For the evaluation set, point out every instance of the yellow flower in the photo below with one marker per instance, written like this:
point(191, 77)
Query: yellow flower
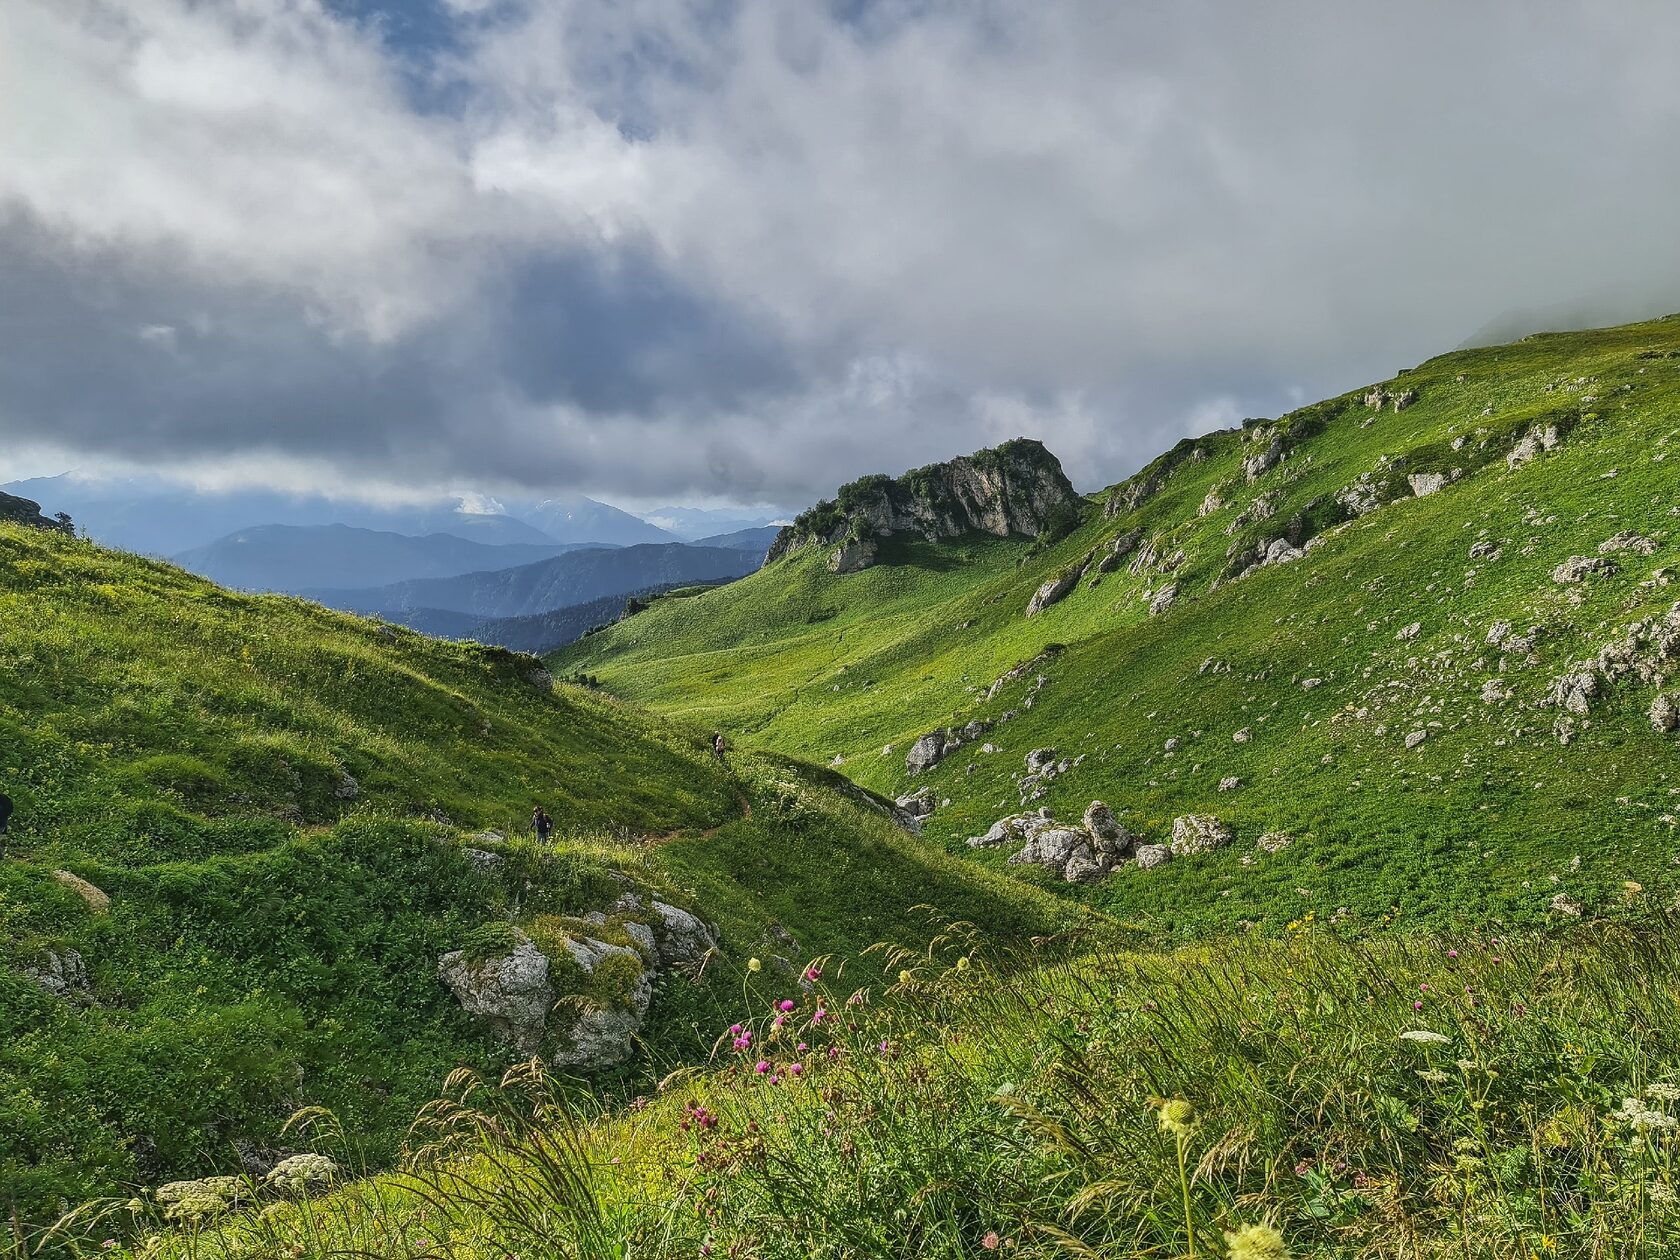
point(904, 977)
point(1255, 1242)
point(754, 965)
point(962, 963)
point(1178, 1116)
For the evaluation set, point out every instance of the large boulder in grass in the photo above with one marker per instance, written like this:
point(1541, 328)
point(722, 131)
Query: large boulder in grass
point(508, 989)
point(683, 939)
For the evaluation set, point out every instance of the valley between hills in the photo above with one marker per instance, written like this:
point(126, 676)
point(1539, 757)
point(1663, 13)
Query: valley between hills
point(1271, 854)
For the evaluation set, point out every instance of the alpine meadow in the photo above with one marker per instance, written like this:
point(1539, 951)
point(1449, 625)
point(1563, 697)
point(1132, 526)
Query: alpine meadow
point(786, 630)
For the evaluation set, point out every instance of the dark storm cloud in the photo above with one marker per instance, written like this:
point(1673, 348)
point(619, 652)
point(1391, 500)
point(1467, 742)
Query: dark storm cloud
point(662, 248)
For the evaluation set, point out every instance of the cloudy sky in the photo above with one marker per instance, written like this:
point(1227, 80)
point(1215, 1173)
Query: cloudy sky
point(744, 249)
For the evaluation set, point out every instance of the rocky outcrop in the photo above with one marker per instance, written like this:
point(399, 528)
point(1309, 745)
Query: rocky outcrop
point(1163, 599)
point(1539, 439)
point(683, 939)
point(1119, 547)
point(1018, 488)
point(852, 555)
point(1264, 460)
point(21, 511)
point(510, 991)
point(1057, 587)
point(62, 974)
point(935, 746)
point(604, 1026)
point(1078, 855)
point(1199, 833)
point(1579, 568)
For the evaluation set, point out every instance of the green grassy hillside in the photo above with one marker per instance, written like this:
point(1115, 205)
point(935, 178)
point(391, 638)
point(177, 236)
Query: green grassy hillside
point(1420, 771)
point(1496, 1097)
point(249, 818)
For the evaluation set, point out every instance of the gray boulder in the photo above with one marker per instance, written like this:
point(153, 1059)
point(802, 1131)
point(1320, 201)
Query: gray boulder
point(602, 1032)
point(683, 939)
point(1424, 484)
point(1579, 568)
point(1573, 691)
point(1055, 589)
point(930, 750)
point(1535, 441)
point(511, 993)
point(1109, 837)
point(918, 804)
point(1163, 599)
point(1199, 833)
point(1149, 856)
point(62, 974)
point(1665, 714)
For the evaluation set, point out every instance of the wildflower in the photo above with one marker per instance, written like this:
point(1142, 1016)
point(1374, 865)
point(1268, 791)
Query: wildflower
point(761, 1067)
point(990, 1241)
point(819, 1016)
point(1178, 1116)
point(754, 965)
point(834, 1052)
point(885, 1047)
point(734, 1030)
point(1452, 953)
point(785, 1005)
point(775, 1079)
point(778, 1021)
point(1435, 1076)
point(1424, 987)
point(1255, 1242)
point(1643, 1119)
point(813, 972)
point(300, 1172)
point(904, 977)
point(1417, 1006)
point(1424, 1035)
point(962, 965)
point(801, 1047)
point(1663, 1091)
point(796, 1069)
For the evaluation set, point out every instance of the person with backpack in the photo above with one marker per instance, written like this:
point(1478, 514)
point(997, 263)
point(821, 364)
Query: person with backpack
point(542, 824)
point(5, 817)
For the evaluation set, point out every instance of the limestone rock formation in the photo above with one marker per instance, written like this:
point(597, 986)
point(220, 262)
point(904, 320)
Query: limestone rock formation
point(511, 992)
point(1017, 488)
point(1199, 833)
point(603, 1030)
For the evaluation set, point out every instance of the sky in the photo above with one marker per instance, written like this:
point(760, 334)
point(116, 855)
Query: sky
point(713, 251)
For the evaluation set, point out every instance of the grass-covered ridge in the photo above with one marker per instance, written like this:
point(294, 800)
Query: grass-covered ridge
point(1422, 761)
point(1488, 1096)
point(278, 802)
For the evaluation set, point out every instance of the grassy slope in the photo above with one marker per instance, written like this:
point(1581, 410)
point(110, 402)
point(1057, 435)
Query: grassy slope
point(972, 1110)
point(272, 941)
point(1481, 819)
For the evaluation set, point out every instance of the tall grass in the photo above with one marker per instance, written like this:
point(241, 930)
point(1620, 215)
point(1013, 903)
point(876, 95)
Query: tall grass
point(1483, 1097)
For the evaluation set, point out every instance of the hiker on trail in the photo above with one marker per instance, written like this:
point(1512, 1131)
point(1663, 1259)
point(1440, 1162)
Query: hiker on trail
point(5, 817)
point(717, 744)
point(542, 824)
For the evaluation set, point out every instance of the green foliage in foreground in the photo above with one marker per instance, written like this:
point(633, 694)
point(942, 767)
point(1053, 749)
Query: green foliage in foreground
point(277, 800)
point(1297, 686)
point(1490, 1097)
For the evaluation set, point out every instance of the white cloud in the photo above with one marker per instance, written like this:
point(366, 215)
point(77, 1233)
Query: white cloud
point(938, 223)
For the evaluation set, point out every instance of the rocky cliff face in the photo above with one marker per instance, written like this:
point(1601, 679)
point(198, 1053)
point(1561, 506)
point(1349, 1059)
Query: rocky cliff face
point(1017, 488)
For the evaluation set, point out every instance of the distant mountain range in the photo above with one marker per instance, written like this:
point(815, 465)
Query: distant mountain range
point(699, 524)
point(564, 581)
point(754, 538)
point(302, 557)
point(539, 633)
point(157, 517)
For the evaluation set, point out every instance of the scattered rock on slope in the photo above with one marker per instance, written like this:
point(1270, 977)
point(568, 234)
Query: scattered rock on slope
point(1579, 568)
point(1199, 833)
